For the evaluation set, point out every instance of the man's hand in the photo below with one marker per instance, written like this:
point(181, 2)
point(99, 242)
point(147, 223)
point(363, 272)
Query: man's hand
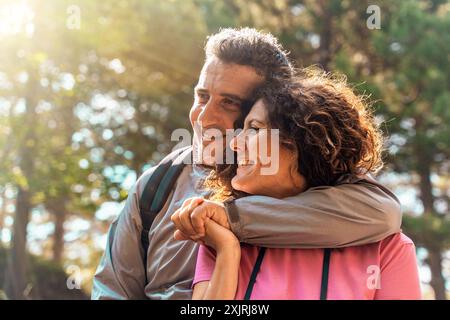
point(190, 219)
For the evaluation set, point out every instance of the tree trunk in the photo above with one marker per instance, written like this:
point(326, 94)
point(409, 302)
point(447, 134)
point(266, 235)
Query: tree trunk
point(434, 261)
point(434, 247)
point(58, 236)
point(437, 279)
point(16, 272)
point(325, 50)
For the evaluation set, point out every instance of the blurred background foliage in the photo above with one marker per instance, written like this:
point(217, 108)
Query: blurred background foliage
point(86, 108)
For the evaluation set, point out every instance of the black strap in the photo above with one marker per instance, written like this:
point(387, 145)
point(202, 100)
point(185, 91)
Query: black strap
point(145, 202)
point(156, 192)
point(153, 183)
point(255, 271)
point(111, 234)
point(167, 183)
point(325, 273)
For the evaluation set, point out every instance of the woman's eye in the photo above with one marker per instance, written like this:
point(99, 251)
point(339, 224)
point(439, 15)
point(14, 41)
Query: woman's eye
point(251, 130)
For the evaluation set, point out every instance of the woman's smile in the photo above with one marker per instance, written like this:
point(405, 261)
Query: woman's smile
point(246, 167)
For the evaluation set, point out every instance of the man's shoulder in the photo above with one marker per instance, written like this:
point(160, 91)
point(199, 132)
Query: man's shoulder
point(147, 174)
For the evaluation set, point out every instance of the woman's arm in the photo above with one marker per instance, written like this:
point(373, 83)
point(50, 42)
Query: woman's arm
point(199, 290)
point(223, 284)
point(224, 279)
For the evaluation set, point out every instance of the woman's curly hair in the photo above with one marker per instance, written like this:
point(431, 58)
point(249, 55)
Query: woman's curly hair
point(320, 117)
point(331, 127)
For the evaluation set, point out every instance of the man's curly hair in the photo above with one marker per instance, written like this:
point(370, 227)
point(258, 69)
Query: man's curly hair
point(321, 118)
point(250, 47)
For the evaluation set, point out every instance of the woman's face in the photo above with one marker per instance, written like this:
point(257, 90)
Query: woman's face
point(255, 174)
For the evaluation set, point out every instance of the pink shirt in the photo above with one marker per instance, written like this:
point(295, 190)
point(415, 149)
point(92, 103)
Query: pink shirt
point(295, 274)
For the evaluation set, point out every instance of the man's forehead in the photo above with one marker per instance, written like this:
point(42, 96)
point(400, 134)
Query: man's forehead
point(216, 74)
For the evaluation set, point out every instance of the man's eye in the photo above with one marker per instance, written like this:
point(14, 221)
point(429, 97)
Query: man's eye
point(202, 97)
point(231, 103)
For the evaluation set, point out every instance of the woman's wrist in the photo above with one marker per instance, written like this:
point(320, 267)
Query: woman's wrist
point(229, 250)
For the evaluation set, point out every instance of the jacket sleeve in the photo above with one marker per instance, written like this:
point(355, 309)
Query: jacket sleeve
point(121, 272)
point(355, 212)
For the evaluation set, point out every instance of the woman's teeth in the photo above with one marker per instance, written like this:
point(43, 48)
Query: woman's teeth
point(245, 163)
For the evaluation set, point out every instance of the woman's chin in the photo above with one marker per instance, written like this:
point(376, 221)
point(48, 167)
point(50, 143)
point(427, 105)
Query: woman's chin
point(241, 184)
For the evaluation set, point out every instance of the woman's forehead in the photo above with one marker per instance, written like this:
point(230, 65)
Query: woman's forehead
point(258, 112)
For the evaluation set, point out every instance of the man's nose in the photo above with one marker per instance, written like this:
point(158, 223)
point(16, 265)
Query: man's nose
point(208, 115)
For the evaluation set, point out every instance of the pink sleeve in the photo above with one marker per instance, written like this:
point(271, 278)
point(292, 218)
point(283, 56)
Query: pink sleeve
point(206, 261)
point(399, 273)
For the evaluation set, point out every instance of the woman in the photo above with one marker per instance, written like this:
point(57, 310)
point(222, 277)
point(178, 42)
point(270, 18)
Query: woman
point(326, 135)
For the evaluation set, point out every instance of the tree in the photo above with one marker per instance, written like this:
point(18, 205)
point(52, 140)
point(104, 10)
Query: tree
point(38, 80)
point(415, 80)
point(53, 72)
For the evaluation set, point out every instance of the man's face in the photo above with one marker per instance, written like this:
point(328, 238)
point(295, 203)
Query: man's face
point(221, 90)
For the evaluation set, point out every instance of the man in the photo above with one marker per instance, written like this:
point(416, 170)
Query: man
point(357, 211)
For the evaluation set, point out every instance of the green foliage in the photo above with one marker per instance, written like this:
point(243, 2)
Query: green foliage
point(48, 280)
point(428, 230)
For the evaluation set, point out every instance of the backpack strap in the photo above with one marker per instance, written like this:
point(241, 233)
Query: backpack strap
point(157, 190)
point(325, 273)
point(255, 271)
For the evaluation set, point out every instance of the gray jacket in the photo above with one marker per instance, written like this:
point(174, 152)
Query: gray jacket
point(357, 211)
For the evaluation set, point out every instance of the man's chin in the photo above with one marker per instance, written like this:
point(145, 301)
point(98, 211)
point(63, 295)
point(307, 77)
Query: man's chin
point(204, 143)
point(211, 153)
point(205, 159)
point(208, 162)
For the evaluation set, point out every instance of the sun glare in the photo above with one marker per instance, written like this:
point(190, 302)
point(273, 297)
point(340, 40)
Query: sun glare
point(16, 17)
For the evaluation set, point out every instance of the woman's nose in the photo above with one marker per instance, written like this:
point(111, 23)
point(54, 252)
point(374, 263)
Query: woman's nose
point(233, 144)
point(236, 142)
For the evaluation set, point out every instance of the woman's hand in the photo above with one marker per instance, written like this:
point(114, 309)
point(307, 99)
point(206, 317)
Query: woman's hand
point(219, 238)
point(206, 222)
